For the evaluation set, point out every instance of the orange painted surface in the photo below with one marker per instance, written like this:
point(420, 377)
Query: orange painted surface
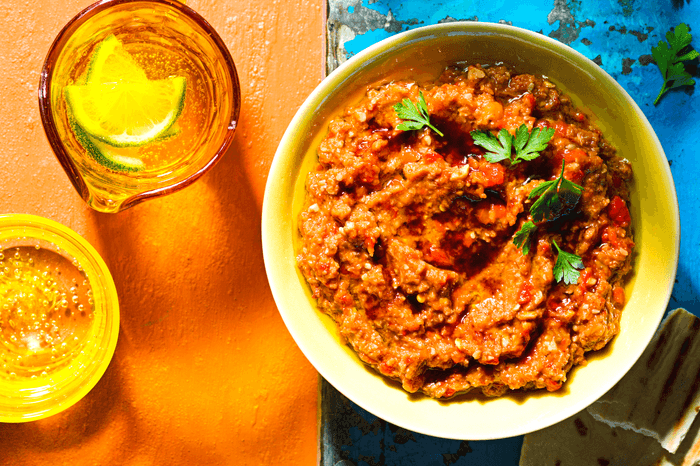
point(205, 373)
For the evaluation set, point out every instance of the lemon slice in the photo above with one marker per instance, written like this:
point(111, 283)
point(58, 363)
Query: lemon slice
point(119, 105)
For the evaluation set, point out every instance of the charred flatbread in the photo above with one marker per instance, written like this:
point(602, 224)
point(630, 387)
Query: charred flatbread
point(648, 419)
point(660, 396)
point(583, 441)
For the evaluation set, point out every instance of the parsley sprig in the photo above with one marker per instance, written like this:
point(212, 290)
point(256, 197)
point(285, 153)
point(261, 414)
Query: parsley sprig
point(527, 145)
point(523, 238)
point(567, 266)
point(669, 61)
point(555, 199)
point(414, 116)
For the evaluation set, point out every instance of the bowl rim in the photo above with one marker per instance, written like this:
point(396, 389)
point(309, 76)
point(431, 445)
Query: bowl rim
point(316, 98)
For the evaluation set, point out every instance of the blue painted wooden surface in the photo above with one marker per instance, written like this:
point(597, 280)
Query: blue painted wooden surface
point(616, 34)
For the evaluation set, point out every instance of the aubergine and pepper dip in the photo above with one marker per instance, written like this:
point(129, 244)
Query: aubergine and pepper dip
point(471, 232)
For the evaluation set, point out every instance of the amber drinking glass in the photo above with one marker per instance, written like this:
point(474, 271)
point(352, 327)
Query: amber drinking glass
point(154, 47)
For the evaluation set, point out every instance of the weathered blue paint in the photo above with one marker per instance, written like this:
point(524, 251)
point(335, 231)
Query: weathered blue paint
point(350, 436)
point(616, 34)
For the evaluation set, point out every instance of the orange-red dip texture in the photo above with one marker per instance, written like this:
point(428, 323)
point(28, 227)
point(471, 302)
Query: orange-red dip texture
point(407, 237)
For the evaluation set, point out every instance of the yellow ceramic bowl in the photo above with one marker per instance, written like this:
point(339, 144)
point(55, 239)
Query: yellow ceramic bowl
point(423, 53)
point(51, 354)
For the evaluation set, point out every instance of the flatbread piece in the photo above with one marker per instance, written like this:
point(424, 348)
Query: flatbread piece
point(660, 396)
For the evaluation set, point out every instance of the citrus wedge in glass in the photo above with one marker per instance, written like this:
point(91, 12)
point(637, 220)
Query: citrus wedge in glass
point(119, 105)
point(110, 62)
point(119, 159)
point(114, 158)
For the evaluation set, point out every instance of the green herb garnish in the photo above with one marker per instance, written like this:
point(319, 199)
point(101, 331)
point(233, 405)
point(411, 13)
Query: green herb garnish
point(522, 238)
point(669, 61)
point(567, 266)
point(527, 145)
point(414, 116)
point(556, 197)
point(499, 148)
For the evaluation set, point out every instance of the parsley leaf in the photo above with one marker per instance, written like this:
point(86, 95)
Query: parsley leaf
point(567, 266)
point(415, 117)
point(536, 143)
point(523, 237)
point(556, 197)
point(527, 145)
point(669, 61)
point(499, 149)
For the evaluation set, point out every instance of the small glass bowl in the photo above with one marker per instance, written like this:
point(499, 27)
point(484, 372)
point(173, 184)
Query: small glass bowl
point(59, 317)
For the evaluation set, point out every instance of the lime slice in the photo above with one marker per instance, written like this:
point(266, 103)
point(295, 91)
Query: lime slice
point(127, 113)
point(118, 159)
point(119, 105)
point(110, 157)
point(110, 61)
point(173, 131)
